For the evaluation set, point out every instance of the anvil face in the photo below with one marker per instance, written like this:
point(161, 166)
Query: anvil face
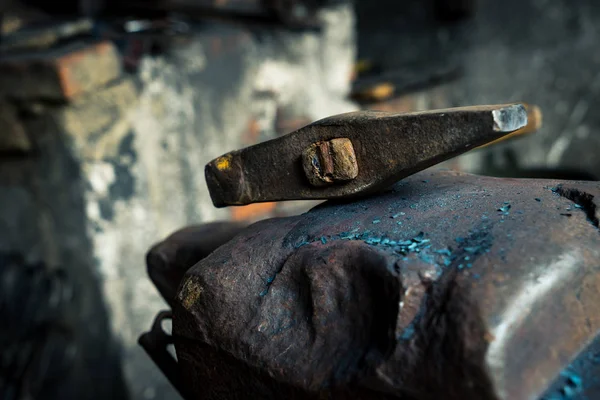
point(444, 286)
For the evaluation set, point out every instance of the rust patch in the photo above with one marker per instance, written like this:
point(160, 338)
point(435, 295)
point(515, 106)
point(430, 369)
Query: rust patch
point(330, 161)
point(190, 293)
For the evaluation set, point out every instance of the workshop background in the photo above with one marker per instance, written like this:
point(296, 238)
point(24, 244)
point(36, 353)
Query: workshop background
point(109, 111)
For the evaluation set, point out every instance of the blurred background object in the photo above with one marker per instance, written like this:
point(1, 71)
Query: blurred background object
point(109, 111)
point(107, 123)
point(55, 344)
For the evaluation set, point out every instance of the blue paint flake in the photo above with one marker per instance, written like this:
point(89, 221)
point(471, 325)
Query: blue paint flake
point(477, 242)
point(445, 252)
point(374, 240)
point(572, 379)
point(302, 243)
point(402, 247)
point(408, 332)
point(580, 379)
point(376, 221)
point(595, 358)
point(572, 386)
point(428, 258)
point(505, 208)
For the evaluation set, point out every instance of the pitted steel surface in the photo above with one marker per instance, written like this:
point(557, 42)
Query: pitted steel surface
point(444, 286)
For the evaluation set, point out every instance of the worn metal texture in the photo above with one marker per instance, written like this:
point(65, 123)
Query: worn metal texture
point(156, 343)
point(328, 162)
point(387, 147)
point(168, 260)
point(580, 380)
point(444, 286)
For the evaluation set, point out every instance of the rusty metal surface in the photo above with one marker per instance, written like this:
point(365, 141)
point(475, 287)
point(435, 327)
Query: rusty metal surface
point(331, 161)
point(155, 342)
point(168, 260)
point(445, 286)
point(387, 147)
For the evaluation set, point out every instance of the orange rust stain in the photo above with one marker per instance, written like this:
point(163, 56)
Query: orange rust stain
point(252, 211)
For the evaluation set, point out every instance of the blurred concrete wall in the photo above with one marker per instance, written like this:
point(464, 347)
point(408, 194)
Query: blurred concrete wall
point(99, 164)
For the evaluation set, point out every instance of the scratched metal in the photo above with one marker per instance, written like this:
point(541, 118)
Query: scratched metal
point(388, 147)
point(445, 286)
point(168, 260)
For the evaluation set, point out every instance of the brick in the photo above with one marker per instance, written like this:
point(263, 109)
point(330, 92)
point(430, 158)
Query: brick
point(59, 74)
point(44, 36)
point(93, 125)
point(12, 133)
point(96, 123)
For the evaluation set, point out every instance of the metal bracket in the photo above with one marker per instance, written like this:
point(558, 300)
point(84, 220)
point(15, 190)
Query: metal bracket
point(155, 343)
